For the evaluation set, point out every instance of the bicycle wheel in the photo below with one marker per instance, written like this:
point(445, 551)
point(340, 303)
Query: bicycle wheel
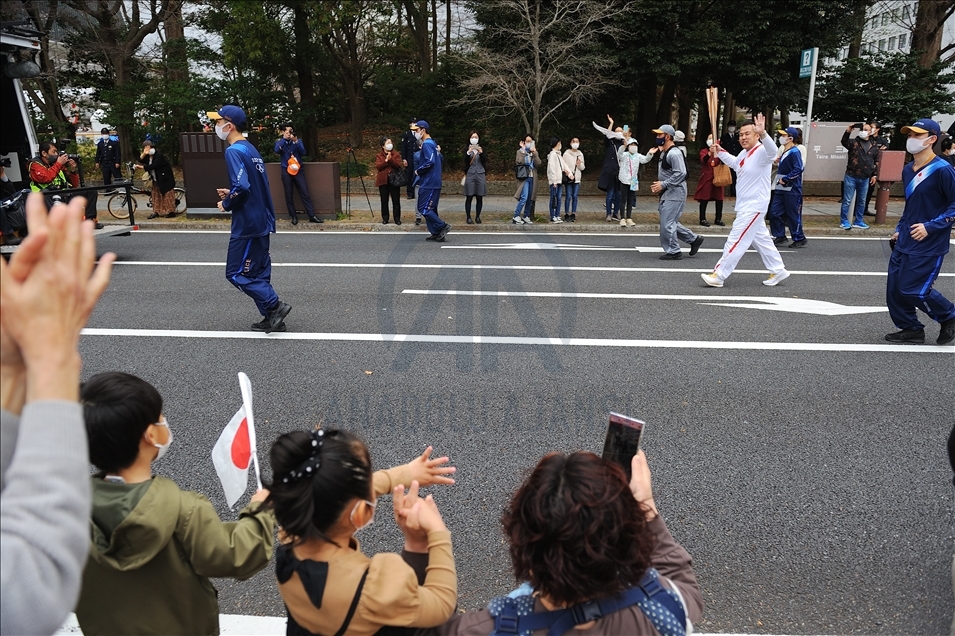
point(117, 205)
point(180, 200)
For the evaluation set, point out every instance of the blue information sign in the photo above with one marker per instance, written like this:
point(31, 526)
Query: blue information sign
point(805, 63)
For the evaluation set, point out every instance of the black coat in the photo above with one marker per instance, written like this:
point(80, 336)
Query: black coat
point(610, 168)
point(161, 172)
point(409, 146)
point(730, 143)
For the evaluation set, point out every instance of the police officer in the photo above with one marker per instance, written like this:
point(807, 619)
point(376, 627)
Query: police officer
point(108, 157)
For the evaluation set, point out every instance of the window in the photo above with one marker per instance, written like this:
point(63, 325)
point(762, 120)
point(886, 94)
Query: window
point(875, 21)
point(892, 43)
point(895, 15)
point(903, 40)
point(882, 44)
point(906, 15)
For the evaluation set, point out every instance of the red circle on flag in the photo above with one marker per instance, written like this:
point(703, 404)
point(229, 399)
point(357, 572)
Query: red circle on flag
point(241, 449)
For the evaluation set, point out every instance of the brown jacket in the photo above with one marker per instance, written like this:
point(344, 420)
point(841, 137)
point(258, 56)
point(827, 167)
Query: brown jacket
point(385, 165)
point(393, 592)
point(669, 558)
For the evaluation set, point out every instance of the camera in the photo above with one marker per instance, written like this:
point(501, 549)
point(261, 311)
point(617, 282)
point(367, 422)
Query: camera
point(69, 156)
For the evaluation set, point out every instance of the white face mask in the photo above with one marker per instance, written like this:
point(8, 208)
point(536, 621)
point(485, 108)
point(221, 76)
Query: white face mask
point(783, 141)
point(575, 145)
point(417, 135)
point(864, 135)
point(915, 145)
point(632, 150)
point(731, 129)
point(152, 151)
point(351, 517)
point(474, 141)
point(220, 133)
point(709, 142)
point(164, 448)
point(389, 147)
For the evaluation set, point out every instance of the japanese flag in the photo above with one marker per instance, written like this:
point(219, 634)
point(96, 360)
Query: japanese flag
point(235, 449)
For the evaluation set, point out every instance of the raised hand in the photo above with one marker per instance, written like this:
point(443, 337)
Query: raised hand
point(427, 471)
point(759, 123)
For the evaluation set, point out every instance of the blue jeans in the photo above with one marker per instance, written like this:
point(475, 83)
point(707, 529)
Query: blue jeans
point(525, 193)
point(857, 186)
point(613, 198)
point(571, 191)
point(555, 200)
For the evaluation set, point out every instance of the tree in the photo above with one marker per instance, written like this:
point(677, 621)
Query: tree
point(906, 90)
point(930, 19)
point(542, 56)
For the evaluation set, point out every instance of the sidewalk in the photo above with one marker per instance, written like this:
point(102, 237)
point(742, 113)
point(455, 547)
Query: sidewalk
point(820, 217)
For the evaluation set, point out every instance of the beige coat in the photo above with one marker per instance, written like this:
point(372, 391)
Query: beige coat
point(535, 164)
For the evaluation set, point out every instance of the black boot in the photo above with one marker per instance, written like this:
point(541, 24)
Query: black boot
point(469, 221)
point(703, 222)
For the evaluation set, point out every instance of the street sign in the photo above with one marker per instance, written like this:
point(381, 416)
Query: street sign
point(805, 62)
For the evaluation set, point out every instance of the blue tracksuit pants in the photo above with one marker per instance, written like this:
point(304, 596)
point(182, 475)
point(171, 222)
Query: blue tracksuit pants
point(428, 208)
point(785, 210)
point(910, 287)
point(249, 267)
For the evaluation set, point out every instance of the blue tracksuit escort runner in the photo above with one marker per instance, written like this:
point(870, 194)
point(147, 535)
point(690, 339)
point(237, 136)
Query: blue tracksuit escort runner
point(915, 265)
point(428, 180)
point(785, 210)
point(249, 264)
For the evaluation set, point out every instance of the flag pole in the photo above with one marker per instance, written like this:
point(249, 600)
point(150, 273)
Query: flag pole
point(245, 385)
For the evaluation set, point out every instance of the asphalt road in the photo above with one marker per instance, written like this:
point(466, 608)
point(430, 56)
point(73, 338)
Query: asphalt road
point(808, 478)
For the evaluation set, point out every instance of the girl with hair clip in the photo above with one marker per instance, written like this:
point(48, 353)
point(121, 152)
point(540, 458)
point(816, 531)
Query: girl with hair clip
point(323, 492)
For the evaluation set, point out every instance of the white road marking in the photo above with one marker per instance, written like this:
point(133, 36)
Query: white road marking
point(665, 270)
point(563, 247)
point(520, 340)
point(792, 305)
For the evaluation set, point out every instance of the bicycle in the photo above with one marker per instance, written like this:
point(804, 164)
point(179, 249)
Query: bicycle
point(117, 203)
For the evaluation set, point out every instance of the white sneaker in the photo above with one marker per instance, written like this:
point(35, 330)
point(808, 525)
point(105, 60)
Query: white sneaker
point(553, 220)
point(517, 220)
point(558, 219)
point(630, 222)
point(712, 280)
point(623, 223)
point(775, 279)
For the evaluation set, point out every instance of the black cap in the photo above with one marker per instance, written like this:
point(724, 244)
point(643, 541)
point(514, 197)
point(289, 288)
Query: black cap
point(105, 131)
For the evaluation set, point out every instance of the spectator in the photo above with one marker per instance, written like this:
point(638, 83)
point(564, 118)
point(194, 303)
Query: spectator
point(475, 177)
point(875, 133)
point(730, 143)
point(785, 208)
point(12, 219)
point(149, 539)
point(671, 186)
point(388, 160)
point(47, 295)
point(526, 188)
point(679, 140)
point(575, 158)
point(428, 179)
point(556, 170)
point(108, 156)
point(574, 520)
point(53, 172)
point(323, 492)
point(861, 168)
point(705, 190)
point(164, 181)
point(286, 147)
point(948, 152)
point(409, 149)
point(609, 171)
point(630, 161)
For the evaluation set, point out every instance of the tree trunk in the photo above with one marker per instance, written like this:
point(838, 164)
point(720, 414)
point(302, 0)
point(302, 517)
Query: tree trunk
point(927, 34)
point(447, 27)
point(665, 109)
point(646, 111)
point(417, 13)
point(434, 35)
point(177, 61)
point(855, 44)
point(306, 82)
point(784, 117)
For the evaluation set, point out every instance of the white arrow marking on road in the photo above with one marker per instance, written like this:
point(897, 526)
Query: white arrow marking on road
point(792, 305)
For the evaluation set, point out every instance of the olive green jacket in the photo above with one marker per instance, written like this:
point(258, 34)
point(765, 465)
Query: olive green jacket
point(153, 548)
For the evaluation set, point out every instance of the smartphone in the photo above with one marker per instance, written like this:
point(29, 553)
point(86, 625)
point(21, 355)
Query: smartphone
point(626, 128)
point(623, 440)
point(858, 126)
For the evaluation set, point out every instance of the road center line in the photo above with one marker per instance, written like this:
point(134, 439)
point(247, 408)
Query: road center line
point(519, 340)
point(664, 270)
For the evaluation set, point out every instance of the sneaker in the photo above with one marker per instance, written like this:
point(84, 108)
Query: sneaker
point(528, 220)
point(845, 225)
point(609, 218)
point(560, 220)
point(443, 232)
point(623, 223)
point(712, 280)
point(861, 225)
point(615, 218)
point(675, 256)
point(418, 220)
point(554, 219)
point(779, 240)
point(261, 325)
point(801, 243)
point(517, 220)
point(720, 223)
point(947, 333)
point(695, 245)
point(432, 237)
point(630, 223)
point(915, 336)
point(775, 279)
point(276, 316)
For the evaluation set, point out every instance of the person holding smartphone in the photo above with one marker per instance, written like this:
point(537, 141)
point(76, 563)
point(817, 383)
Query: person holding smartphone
point(286, 147)
point(862, 165)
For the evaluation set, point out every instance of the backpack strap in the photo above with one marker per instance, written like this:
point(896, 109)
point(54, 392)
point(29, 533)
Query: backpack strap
point(354, 605)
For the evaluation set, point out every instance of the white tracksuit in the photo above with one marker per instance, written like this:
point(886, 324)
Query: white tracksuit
point(753, 187)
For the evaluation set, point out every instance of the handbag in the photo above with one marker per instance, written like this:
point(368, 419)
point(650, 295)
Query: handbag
point(522, 171)
point(722, 176)
point(397, 178)
point(564, 179)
